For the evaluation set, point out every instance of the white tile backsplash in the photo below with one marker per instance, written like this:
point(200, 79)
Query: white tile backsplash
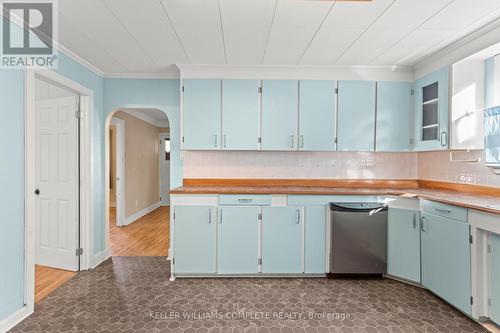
point(302, 165)
point(339, 165)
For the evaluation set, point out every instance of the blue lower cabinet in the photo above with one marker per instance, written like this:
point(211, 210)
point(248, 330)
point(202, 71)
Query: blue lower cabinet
point(446, 259)
point(315, 240)
point(495, 278)
point(403, 244)
point(238, 240)
point(281, 240)
point(194, 239)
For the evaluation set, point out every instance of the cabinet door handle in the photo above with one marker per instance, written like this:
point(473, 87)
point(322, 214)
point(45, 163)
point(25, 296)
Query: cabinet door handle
point(444, 138)
point(220, 212)
point(225, 140)
point(422, 226)
point(210, 216)
point(298, 216)
point(215, 140)
point(244, 200)
point(301, 141)
point(292, 141)
point(446, 211)
point(414, 220)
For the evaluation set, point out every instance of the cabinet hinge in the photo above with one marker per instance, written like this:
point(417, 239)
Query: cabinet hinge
point(471, 240)
point(259, 261)
point(489, 302)
point(471, 300)
point(412, 92)
point(174, 215)
point(79, 252)
point(411, 141)
point(260, 216)
point(182, 139)
point(173, 261)
point(259, 139)
point(336, 90)
point(182, 88)
point(489, 248)
point(260, 90)
point(336, 140)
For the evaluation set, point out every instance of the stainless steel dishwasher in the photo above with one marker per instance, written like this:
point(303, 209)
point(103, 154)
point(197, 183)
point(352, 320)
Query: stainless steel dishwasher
point(358, 242)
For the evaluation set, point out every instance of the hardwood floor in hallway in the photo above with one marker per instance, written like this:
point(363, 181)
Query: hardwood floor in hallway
point(148, 236)
point(48, 279)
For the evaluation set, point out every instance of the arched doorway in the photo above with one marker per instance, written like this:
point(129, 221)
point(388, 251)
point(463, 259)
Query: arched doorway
point(137, 181)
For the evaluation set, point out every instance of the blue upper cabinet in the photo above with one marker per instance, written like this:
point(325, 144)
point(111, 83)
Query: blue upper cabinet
point(280, 114)
point(201, 117)
point(394, 116)
point(356, 116)
point(240, 114)
point(431, 98)
point(317, 115)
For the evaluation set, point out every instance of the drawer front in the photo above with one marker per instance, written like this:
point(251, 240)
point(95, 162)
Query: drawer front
point(445, 210)
point(324, 200)
point(244, 200)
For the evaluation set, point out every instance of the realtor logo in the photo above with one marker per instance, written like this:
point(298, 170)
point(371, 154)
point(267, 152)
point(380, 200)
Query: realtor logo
point(28, 32)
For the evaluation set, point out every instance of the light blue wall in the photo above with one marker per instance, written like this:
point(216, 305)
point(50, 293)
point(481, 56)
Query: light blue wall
point(12, 191)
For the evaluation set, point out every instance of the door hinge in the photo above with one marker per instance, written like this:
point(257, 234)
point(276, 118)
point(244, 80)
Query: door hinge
point(259, 217)
point(259, 261)
point(79, 252)
point(471, 300)
point(336, 90)
point(260, 90)
point(471, 240)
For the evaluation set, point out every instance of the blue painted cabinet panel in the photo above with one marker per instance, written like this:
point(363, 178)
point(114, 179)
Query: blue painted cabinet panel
point(356, 116)
point(238, 240)
point(403, 244)
point(194, 239)
point(495, 278)
point(317, 115)
point(446, 259)
point(281, 240)
point(431, 111)
point(394, 116)
point(240, 114)
point(201, 114)
point(315, 240)
point(280, 114)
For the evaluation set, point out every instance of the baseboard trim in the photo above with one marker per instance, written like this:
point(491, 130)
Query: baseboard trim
point(101, 257)
point(14, 319)
point(141, 213)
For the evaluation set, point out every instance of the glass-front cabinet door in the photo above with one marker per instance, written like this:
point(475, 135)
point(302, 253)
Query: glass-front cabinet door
point(431, 96)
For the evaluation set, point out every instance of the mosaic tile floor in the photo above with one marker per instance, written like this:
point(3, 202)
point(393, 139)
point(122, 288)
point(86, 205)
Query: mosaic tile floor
point(133, 294)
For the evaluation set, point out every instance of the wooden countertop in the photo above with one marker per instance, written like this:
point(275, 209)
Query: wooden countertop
point(470, 197)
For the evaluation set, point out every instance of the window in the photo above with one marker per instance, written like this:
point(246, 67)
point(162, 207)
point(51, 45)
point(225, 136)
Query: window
point(430, 114)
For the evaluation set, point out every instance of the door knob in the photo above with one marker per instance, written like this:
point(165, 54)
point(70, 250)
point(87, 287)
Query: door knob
point(37, 191)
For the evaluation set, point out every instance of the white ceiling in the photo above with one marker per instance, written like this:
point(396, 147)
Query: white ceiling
point(148, 37)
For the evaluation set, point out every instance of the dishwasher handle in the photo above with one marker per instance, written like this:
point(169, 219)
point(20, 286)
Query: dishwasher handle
point(359, 207)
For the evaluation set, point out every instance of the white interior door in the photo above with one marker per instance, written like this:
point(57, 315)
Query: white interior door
point(56, 153)
point(120, 170)
point(164, 169)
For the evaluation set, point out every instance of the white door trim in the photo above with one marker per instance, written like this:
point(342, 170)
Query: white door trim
point(120, 170)
point(160, 156)
point(86, 175)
